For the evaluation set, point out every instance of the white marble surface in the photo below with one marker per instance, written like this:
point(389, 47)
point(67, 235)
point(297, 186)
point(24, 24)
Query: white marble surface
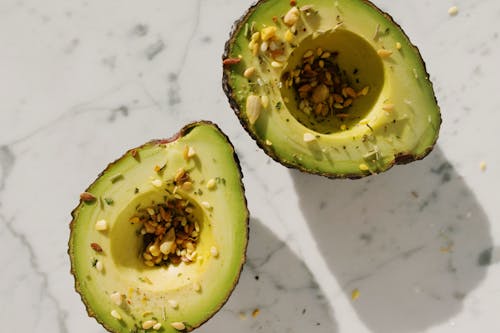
point(82, 81)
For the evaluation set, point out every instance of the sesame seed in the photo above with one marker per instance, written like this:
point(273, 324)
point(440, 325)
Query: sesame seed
point(276, 64)
point(383, 53)
point(157, 326)
point(101, 225)
point(211, 184)
point(191, 152)
point(268, 143)
point(116, 315)
point(398, 45)
point(157, 182)
point(249, 72)
point(264, 99)
point(99, 266)
point(214, 252)
point(482, 166)
point(453, 10)
point(388, 107)
point(206, 204)
point(343, 127)
point(178, 325)
point(116, 298)
point(355, 294)
point(308, 137)
point(196, 287)
point(363, 167)
point(148, 324)
point(173, 304)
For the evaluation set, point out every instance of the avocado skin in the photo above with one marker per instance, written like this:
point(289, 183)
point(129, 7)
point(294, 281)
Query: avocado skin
point(400, 159)
point(183, 131)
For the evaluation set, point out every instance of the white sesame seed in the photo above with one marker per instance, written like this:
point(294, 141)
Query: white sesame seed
point(214, 252)
point(173, 304)
point(388, 107)
point(276, 64)
point(249, 72)
point(268, 142)
point(263, 46)
point(157, 182)
point(148, 324)
point(196, 287)
point(116, 315)
point(157, 326)
point(453, 10)
point(191, 152)
point(264, 99)
point(308, 137)
point(116, 298)
point(211, 184)
point(101, 225)
point(99, 266)
point(206, 204)
point(178, 325)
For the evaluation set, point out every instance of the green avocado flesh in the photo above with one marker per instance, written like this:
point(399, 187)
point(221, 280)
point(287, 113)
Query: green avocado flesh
point(392, 116)
point(118, 288)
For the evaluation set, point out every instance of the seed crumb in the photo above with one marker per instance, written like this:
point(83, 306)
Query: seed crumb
point(96, 247)
point(398, 45)
point(308, 137)
point(482, 166)
point(383, 53)
point(214, 252)
point(211, 184)
point(149, 324)
point(355, 294)
point(255, 313)
point(363, 167)
point(157, 182)
point(178, 325)
point(116, 315)
point(453, 11)
point(99, 266)
point(101, 225)
point(173, 304)
point(249, 72)
point(388, 107)
point(116, 298)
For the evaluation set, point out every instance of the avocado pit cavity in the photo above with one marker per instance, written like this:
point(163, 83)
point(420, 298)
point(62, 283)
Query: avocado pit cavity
point(170, 230)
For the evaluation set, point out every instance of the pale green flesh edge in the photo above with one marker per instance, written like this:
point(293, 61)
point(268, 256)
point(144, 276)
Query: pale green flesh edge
point(229, 230)
point(416, 112)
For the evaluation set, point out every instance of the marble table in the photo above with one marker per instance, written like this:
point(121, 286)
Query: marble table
point(83, 81)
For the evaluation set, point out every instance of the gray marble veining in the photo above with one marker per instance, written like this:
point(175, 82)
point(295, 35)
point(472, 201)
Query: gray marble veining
point(412, 250)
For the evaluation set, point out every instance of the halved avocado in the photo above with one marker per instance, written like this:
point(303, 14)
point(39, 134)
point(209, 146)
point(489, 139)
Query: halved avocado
point(158, 241)
point(331, 87)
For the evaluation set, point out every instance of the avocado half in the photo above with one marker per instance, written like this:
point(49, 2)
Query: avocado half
point(330, 87)
point(158, 240)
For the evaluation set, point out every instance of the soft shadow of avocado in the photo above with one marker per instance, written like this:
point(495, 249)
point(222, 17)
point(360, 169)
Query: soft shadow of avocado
point(280, 286)
point(410, 240)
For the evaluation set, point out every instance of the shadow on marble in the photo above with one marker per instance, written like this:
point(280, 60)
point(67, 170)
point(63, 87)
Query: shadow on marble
point(412, 241)
point(277, 283)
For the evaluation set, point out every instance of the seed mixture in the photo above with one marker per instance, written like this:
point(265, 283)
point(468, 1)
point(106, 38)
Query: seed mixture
point(170, 229)
point(322, 88)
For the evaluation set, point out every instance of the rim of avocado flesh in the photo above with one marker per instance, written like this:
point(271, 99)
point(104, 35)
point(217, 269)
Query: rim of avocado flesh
point(186, 189)
point(343, 92)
